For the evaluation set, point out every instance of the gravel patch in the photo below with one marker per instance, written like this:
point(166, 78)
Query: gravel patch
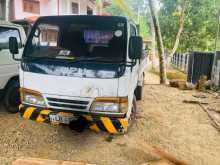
point(163, 120)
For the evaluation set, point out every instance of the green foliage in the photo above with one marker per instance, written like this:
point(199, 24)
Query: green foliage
point(199, 27)
point(114, 10)
point(133, 7)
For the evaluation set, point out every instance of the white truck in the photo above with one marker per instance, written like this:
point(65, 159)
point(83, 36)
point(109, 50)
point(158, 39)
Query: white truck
point(84, 71)
point(9, 81)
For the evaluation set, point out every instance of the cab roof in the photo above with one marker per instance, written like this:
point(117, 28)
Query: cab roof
point(9, 24)
point(83, 17)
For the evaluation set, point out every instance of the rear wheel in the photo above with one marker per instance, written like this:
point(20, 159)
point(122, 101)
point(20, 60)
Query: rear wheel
point(12, 97)
point(139, 91)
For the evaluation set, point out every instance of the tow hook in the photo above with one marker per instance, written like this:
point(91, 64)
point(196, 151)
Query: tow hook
point(79, 125)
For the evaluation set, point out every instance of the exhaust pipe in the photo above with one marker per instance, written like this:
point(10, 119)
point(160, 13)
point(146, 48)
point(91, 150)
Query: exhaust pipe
point(79, 125)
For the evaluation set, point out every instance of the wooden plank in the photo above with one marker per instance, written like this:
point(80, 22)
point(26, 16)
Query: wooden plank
point(160, 162)
point(35, 161)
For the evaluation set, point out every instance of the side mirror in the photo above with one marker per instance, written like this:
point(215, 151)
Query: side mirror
point(135, 47)
point(13, 47)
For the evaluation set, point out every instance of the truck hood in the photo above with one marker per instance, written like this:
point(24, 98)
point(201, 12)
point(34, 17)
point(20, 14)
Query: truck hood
point(70, 86)
point(84, 81)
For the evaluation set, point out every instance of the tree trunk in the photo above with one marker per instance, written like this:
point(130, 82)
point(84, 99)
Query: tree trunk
point(160, 47)
point(99, 7)
point(181, 26)
point(153, 45)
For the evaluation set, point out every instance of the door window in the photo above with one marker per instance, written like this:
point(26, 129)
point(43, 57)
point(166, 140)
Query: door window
point(132, 30)
point(5, 34)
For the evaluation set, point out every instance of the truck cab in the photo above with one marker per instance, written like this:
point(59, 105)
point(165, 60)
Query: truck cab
point(9, 81)
point(82, 68)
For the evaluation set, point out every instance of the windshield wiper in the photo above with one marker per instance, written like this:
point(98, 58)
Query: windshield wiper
point(76, 60)
point(33, 59)
point(95, 60)
point(85, 59)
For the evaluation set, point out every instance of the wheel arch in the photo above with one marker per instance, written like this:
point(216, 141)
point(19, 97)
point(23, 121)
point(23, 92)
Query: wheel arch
point(140, 84)
point(11, 80)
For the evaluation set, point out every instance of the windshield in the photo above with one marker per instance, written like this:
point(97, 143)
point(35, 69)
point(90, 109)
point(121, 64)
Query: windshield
point(80, 39)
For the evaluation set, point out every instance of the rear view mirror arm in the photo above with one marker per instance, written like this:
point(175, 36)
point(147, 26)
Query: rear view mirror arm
point(14, 58)
point(131, 64)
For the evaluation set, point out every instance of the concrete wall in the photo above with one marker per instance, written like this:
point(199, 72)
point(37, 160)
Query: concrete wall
point(216, 70)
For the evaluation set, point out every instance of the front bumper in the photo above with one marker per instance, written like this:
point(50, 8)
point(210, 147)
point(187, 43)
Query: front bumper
point(113, 125)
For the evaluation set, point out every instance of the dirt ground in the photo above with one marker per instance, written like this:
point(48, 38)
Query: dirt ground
point(163, 120)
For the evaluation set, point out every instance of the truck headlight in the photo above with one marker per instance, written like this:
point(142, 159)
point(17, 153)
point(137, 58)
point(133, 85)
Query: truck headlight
point(32, 97)
point(112, 105)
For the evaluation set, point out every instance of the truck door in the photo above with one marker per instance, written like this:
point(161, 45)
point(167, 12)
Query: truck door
point(8, 67)
point(135, 70)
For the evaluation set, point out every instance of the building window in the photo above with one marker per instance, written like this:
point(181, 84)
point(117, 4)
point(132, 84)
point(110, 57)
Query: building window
point(75, 8)
point(89, 11)
point(31, 6)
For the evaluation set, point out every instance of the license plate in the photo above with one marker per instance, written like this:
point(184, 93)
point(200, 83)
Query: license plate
point(63, 118)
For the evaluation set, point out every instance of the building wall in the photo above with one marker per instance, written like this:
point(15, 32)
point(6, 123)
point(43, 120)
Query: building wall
point(65, 6)
point(50, 7)
point(84, 4)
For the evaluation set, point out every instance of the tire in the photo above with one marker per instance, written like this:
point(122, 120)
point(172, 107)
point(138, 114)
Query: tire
point(11, 98)
point(133, 113)
point(139, 91)
point(1, 95)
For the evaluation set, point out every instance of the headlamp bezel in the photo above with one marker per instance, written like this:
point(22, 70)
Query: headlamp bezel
point(121, 102)
point(33, 95)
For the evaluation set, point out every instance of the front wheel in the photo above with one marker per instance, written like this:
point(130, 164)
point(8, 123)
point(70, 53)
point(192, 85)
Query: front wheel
point(133, 112)
point(12, 97)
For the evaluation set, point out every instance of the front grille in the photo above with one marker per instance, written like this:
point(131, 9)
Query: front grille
point(67, 104)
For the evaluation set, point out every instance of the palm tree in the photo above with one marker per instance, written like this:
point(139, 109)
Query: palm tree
point(159, 40)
